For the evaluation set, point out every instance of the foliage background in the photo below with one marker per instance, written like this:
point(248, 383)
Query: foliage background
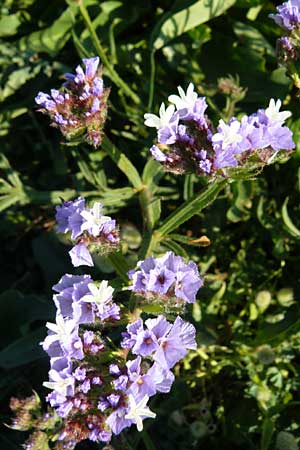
point(240, 389)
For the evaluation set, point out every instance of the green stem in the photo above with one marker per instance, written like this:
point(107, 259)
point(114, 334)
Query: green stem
point(150, 240)
point(148, 441)
point(152, 79)
point(112, 73)
point(120, 264)
point(191, 207)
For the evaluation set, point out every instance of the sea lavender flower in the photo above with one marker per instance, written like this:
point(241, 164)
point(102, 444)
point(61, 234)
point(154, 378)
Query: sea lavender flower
point(89, 229)
point(139, 411)
point(182, 134)
point(262, 134)
point(100, 299)
point(164, 342)
point(288, 15)
point(79, 110)
point(168, 279)
point(187, 143)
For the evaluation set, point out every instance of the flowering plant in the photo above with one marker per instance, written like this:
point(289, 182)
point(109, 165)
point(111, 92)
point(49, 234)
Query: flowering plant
point(144, 322)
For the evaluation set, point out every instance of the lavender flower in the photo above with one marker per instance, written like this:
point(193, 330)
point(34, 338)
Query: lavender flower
point(288, 15)
point(167, 343)
point(262, 130)
point(176, 131)
point(168, 277)
point(89, 228)
point(80, 109)
point(101, 302)
point(187, 142)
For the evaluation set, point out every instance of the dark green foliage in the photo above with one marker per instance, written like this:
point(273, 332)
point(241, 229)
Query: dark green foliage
point(240, 389)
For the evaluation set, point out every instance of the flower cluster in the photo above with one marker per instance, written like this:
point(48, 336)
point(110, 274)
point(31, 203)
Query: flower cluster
point(89, 228)
point(288, 15)
point(168, 279)
point(79, 301)
point(80, 108)
point(288, 18)
point(188, 143)
point(94, 401)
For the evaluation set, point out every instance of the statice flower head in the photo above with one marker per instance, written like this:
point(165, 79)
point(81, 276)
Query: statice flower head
point(167, 280)
point(288, 15)
point(188, 143)
point(287, 48)
point(183, 134)
point(89, 229)
point(258, 137)
point(79, 109)
point(167, 343)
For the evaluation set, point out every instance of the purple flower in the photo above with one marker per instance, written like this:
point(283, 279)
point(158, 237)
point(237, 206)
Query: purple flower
point(160, 280)
point(62, 337)
point(187, 285)
point(45, 101)
point(68, 281)
point(146, 343)
point(288, 15)
point(120, 383)
point(113, 400)
point(80, 256)
point(141, 384)
point(168, 275)
point(174, 343)
point(157, 154)
point(80, 374)
point(131, 333)
point(93, 219)
point(117, 421)
point(154, 380)
point(91, 66)
point(64, 215)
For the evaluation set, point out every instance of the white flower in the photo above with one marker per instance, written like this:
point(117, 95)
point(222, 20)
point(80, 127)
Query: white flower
point(184, 100)
point(139, 411)
point(58, 384)
point(273, 113)
point(161, 121)
point(100, 296)
point(62, 329)
point(229, 134)
point(94, 219)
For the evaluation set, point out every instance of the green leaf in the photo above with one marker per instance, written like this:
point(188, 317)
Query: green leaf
point(188, 188)
point(120, 264)
point(17, 79)
point(152, 173)
point(51, 40)
point(23, 350)
point(291, 228)
point(175, 247)
point(154, 212)
point(51, 257)
point(9, 24)
point(8, 200)
point(191, 207)
point(116, 197)
point(175, 24)
point(240, 210)
point(17, 310)
point(251, 37)
point(216, 301)
point(122, 162)
point(267, 433)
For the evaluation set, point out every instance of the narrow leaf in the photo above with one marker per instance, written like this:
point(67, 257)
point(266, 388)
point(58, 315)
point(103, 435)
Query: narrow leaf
point(191, 207)
point(175, 24)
